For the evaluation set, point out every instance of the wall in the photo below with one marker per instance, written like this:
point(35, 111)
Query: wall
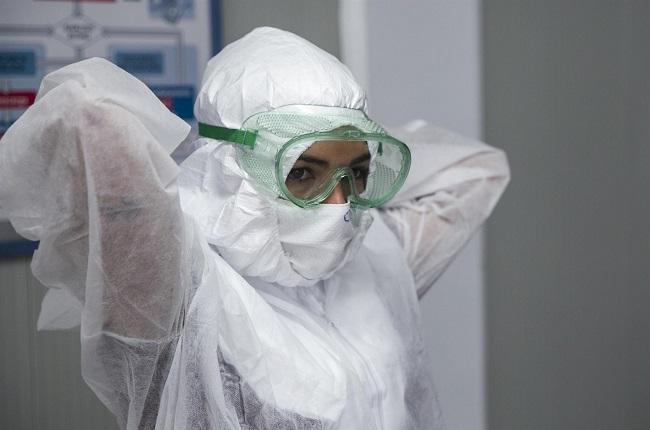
point(636, 61)
point(315, 20)
point(567, 96)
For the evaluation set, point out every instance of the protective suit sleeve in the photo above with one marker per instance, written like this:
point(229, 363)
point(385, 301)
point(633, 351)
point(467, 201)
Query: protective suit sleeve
point(453, 186)
point(87, 178)
point(98, 192)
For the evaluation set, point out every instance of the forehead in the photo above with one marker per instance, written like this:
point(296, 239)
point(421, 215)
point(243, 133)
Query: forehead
point(337, 151)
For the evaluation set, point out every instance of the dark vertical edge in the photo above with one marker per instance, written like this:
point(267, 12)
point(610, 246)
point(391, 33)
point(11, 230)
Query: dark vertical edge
point(215, 26)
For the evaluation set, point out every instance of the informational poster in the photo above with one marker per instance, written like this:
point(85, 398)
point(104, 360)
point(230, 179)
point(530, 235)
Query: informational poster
point(164, 43)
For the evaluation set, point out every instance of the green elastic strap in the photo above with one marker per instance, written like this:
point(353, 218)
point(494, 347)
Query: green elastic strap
point(242, 137)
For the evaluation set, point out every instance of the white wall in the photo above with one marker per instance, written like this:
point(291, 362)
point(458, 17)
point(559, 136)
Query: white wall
point(422, 59)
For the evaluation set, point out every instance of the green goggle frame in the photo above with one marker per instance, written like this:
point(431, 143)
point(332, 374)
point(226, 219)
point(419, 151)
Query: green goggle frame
point(268, 155)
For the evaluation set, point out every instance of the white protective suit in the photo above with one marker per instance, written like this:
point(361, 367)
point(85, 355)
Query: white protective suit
point(192, 314)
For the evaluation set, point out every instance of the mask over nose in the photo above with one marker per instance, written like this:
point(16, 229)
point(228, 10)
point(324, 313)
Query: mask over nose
point(319, 241)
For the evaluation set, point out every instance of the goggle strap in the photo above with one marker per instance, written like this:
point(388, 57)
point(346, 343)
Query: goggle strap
point(242, 137)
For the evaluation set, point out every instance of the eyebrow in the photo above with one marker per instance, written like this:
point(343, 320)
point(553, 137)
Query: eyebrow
point(310, 159)
point(321, 162)
point(361, 158)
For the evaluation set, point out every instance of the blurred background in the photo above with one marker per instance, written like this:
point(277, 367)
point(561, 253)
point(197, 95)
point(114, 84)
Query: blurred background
point(543, 321)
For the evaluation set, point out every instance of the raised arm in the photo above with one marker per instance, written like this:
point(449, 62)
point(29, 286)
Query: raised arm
point(453, 186)
point(137, 234)
point(90, 182)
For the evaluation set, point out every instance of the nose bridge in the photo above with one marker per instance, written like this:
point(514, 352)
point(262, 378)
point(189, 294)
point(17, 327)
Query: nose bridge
point(340, 192)
point(337, 196)
point(343, 173)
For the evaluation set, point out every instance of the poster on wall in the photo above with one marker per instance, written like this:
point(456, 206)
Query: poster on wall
point(164, 43)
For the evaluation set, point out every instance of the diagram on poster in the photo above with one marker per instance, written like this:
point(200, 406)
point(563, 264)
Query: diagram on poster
point(162, 42)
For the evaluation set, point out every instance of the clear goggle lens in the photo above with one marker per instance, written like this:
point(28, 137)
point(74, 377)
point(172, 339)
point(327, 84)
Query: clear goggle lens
point(369, 169)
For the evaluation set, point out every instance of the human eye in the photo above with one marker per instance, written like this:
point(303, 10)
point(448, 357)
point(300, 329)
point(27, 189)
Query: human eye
point(300, 174)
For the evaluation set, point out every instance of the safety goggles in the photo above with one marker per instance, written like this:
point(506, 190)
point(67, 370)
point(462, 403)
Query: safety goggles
point(303, 153)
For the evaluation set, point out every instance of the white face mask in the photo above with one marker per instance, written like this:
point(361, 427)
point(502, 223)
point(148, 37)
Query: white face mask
point(320, 240)
point(269, 239)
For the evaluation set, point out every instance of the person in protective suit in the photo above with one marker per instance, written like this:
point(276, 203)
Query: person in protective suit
point(271, 281)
